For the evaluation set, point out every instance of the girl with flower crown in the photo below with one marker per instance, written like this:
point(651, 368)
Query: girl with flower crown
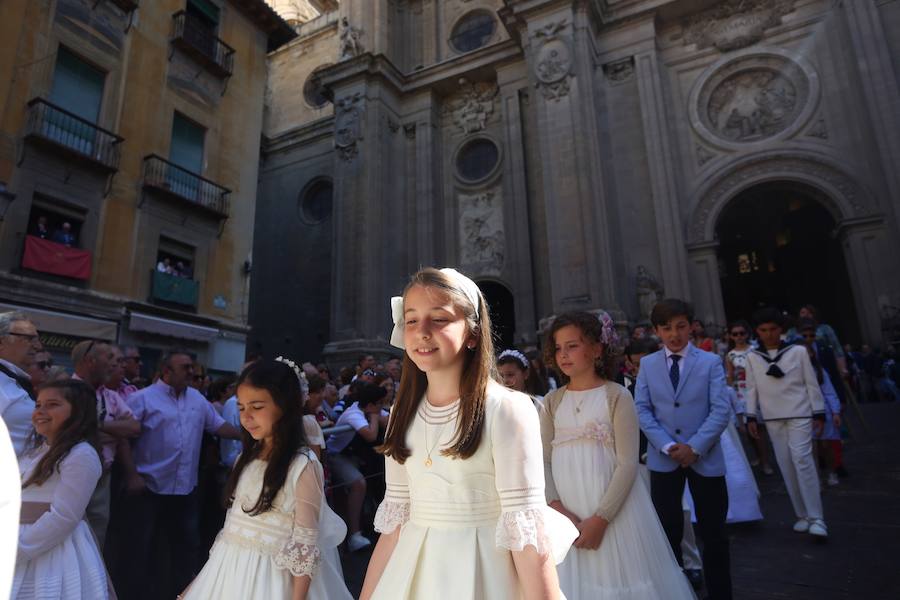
point(280, 537)
point(589, 429)
point(515, 373)
point(464, 514)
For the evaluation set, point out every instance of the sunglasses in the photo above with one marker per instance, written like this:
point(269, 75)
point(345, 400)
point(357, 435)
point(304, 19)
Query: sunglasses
point(44, 364)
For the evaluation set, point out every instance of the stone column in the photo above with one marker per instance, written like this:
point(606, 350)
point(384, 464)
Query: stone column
point(703, 269)
point(881, 91)
point(428, 199)
point(661, 162)
point(581, 237)
point(873, 266)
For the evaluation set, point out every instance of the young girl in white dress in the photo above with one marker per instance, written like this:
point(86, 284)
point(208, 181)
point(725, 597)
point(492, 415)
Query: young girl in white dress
point(464, 513)
point(58, 558)
point(280, 537)
point(590, 433)
point(515, 373)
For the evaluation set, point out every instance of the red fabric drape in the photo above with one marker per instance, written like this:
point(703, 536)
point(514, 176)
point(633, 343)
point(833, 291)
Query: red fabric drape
point(50, 257)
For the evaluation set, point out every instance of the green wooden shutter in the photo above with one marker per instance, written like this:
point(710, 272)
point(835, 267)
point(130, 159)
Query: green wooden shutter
point(187, 144)
point(77, 86)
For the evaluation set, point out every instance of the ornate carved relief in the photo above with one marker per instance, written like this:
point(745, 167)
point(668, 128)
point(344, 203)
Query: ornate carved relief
point(350, 40)
point(619, 71)
point(348, 126)
point(473, 105)
point(482, 238)
point(752, 98)
point(853, 200)
point(553, 61)
point(735, 24)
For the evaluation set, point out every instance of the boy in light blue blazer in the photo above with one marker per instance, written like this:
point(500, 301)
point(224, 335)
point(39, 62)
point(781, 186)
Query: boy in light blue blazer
point(683, 407)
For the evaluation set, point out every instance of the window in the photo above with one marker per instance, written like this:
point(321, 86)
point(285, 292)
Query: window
point(205, 11)
point(77, 86)
point(316, 201)
point(477, 159)
point(313, 91)
point(186, 151)
point(173, 280)
point(54, 223)
point(175, 258)
point(473, 31)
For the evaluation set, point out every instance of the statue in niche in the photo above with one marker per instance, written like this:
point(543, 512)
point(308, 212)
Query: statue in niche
point(649, 291)
point(350, 44)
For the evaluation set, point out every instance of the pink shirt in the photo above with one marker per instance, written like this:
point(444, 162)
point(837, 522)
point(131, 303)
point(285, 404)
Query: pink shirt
point(111, 406)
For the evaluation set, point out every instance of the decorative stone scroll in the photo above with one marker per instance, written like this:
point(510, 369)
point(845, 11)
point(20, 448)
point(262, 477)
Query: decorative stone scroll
point(619, 71)
point(734, 24)
point(348, 126)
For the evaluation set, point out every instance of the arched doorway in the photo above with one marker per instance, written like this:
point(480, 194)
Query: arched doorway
point(503, 314)
point(777, 247)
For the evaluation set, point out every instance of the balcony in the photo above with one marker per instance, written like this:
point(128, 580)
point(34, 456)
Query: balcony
point(53, 258)
point(185, 186)
point(198, 40)
point(172, 289)
point(57, 128)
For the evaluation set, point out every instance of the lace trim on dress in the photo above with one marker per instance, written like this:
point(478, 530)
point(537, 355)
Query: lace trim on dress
point(595, 430)
point(390, 515)
point(520, 528)
point(300, 555)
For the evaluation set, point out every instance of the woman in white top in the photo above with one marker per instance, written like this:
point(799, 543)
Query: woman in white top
point(280, 538)
point(464, 514)
point(58, 556)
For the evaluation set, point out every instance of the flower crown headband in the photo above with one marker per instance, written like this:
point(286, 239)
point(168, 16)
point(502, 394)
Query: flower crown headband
point(465, 284)
point(301, 376)
point(512, 352)
point(608, 334)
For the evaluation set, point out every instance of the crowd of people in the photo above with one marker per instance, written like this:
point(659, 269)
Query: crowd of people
point(585, 467)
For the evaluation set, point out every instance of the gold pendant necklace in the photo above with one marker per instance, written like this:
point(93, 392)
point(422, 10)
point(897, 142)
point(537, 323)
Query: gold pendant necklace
point(428, 461)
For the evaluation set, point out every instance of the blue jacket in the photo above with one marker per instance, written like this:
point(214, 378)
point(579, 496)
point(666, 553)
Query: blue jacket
point(695, 414)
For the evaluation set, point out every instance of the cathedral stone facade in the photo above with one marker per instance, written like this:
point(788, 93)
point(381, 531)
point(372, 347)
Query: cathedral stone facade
point(579, 154)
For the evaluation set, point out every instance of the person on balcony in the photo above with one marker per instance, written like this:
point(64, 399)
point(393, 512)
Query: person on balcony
point(64, 235)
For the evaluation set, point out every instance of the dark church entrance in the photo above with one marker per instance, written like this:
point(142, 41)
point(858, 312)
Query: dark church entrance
point(503, 314)
point(777, 246)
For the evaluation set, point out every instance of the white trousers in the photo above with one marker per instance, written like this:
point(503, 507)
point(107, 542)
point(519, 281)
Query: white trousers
point(793, 444)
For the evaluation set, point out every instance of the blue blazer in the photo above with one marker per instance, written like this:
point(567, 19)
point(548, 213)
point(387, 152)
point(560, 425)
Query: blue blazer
point(695, 414)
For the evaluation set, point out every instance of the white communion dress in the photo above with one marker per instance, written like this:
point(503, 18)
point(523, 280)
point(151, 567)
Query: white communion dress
point(256, 557)
point(461, 518)
point(58, 558)
point(634, 560)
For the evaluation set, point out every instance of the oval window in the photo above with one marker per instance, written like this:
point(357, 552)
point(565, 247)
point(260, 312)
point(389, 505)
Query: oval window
point(315, 206)
point(477, 159)
point(314, 91)
point(473, 31)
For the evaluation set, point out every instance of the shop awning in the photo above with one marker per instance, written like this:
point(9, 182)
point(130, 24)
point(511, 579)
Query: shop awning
point(56, 322)
point(177, 329)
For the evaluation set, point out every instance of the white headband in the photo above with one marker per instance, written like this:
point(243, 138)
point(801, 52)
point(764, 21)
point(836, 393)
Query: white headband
point(512, 352)
point(468, 287)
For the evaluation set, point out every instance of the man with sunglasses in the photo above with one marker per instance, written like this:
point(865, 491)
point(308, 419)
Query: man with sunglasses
point(19, 344)
point(42, 364)
point(131, 366)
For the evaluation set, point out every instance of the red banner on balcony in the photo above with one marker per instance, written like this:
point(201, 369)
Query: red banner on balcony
point(49, 257)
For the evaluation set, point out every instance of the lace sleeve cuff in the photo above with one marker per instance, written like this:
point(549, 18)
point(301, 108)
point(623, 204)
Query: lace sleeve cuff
point(547, 530)
point(390, 515)
point(300, 555)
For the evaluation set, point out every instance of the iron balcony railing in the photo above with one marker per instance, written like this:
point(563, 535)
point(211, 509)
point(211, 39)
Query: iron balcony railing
point(173, 180)
point(72, 134)
point(198, 39)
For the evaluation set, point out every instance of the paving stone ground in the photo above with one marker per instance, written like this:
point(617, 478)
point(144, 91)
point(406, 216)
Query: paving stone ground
point(860, 560)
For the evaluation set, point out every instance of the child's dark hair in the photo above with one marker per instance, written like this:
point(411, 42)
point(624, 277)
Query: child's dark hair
point(81, 426)
point(533, 384)
point(288, 437)
point(369, 393)
point(768, 314)
point(592, 330)
point(641, 346)
point(666, 310)
point(316, 384)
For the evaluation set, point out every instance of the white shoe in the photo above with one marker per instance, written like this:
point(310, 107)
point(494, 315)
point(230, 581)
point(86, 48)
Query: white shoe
point(357, 541)
point(817, 528)
point(802, 525)
point(832, 479)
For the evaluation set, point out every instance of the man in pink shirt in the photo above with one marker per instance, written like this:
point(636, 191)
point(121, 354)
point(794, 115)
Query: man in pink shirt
point(94, 362)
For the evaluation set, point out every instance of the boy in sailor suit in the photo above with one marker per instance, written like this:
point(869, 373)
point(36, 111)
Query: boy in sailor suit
point(783, 388)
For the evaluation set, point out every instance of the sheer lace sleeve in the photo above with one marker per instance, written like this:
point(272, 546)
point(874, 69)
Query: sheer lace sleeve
point(627, 443)
point(78, 476)
point(300, 554)
point(393, 511)
point(525, 518)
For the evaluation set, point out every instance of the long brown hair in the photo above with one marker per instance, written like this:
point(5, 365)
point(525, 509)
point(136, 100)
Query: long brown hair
point(478, 369)
point(81, 426)
point(288, 436)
